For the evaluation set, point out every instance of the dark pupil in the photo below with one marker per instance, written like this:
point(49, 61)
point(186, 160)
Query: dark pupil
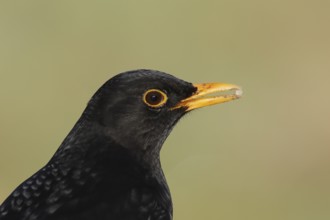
point(154, 98)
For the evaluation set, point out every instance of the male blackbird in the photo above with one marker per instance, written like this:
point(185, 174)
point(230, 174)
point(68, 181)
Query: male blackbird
point(108, 166)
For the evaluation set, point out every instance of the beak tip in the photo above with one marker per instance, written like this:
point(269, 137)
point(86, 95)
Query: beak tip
point(239, 93)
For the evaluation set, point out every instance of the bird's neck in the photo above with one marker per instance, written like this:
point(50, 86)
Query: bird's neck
point(88, 140)
point(108, 162)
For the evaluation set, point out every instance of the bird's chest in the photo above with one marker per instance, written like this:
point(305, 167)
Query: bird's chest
point(138, 203)
point(141, 203)
point(122, 196)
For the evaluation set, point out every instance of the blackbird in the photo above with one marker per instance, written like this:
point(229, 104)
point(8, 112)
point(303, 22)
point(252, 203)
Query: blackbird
point(108, 166)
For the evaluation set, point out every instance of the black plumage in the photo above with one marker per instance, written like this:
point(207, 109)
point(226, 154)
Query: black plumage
point(108, 166)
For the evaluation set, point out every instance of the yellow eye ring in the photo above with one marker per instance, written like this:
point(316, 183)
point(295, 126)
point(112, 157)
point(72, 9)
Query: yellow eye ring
point(154, 98)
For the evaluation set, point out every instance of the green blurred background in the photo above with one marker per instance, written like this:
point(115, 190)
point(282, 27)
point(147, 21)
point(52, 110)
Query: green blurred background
point(265, 156)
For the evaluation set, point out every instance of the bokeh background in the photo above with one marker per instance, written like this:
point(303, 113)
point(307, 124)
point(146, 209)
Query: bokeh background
point(265, 156)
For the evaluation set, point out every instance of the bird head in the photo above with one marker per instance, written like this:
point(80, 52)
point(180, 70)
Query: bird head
point(138, 109)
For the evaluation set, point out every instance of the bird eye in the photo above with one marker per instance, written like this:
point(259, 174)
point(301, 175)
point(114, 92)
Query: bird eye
point(154, 98)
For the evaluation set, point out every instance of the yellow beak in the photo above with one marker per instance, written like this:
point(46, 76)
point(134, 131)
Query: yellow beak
point(199, 98)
